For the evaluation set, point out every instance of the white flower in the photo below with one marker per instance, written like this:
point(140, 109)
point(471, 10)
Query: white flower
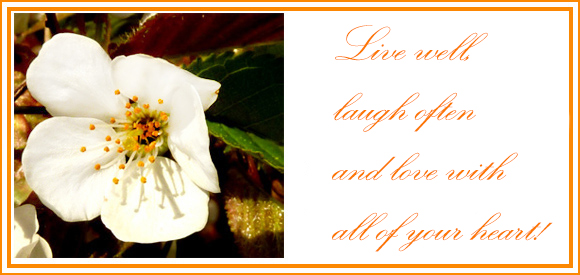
point(100, 154)
point(25, 242)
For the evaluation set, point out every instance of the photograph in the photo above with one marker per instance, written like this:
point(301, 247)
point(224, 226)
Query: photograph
point(147, 135)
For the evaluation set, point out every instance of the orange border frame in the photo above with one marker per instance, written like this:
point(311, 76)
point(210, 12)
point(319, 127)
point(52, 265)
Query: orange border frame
point(282, 9)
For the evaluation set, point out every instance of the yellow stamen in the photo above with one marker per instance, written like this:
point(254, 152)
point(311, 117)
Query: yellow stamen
point(140, 164)
point(143, 180)
point(127, 126)
point(164, 118)
point(157, 124)
point(92, 127)
point(117, 92)
point(135, 98)
point(113, 120)
point(108, 138)
point(97, 166)
point(118, 141)
point(127, 113)
point(151, 159)
point(136, 147)
point(106, 149)
point(137, 110)
point(122, 166)
point(83, 149)
point(127, 105)
point(146, 106)
point(115, 180)
point(120, 149)
point(160, 101)
point(155, 133)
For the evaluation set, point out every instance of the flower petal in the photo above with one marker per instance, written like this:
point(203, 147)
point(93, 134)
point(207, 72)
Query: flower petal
point(167, 207)
point(26, 250)
point(25, 228)
point(25, 221)
point(152, 79)
point(189, 140)
point(63, 177)
point(206, 89)
point(41, 249)
point(72, 77)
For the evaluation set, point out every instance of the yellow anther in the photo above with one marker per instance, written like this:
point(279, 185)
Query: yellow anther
point(136, 147)
point(146, 106)
point(97, 166)
point(140, 164)
point(152, 144)
point(127, 105)
point(83, 149)
point(127, 113)
point(151, 159)
point(92, 127)
point(157, 124)
point(137, 110)
point(148, 149)
point(135, 98)
point(164, 118)
point(115, 180)
point(106, 149)
point(117, 92)
point(122, 166)
point(155, 133)
point(127, 126)
point(160, 101)
point(143, 180)
point(118, 141)
point(113, 120)
point(120, 150)
point(108, 138)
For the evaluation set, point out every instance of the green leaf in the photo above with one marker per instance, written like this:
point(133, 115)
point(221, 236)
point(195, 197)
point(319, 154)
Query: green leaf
point(21, 189)
point(252, 94)
point(263, 149)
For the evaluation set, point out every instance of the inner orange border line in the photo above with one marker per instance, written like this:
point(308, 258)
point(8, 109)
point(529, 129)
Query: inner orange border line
point(282, 9)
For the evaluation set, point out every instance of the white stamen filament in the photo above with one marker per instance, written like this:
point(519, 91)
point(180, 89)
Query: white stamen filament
point(116, 161)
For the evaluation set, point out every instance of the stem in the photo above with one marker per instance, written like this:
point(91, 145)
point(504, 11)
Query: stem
point(20, 90)
point(80, 20)
point(108, 30)
point(19, 110)
point(52, 23)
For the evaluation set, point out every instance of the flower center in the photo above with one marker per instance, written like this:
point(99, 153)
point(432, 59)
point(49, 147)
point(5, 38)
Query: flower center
point(143, 129)
point(140, 136)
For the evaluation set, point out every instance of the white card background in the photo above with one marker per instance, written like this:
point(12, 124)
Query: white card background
point(516, 81)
